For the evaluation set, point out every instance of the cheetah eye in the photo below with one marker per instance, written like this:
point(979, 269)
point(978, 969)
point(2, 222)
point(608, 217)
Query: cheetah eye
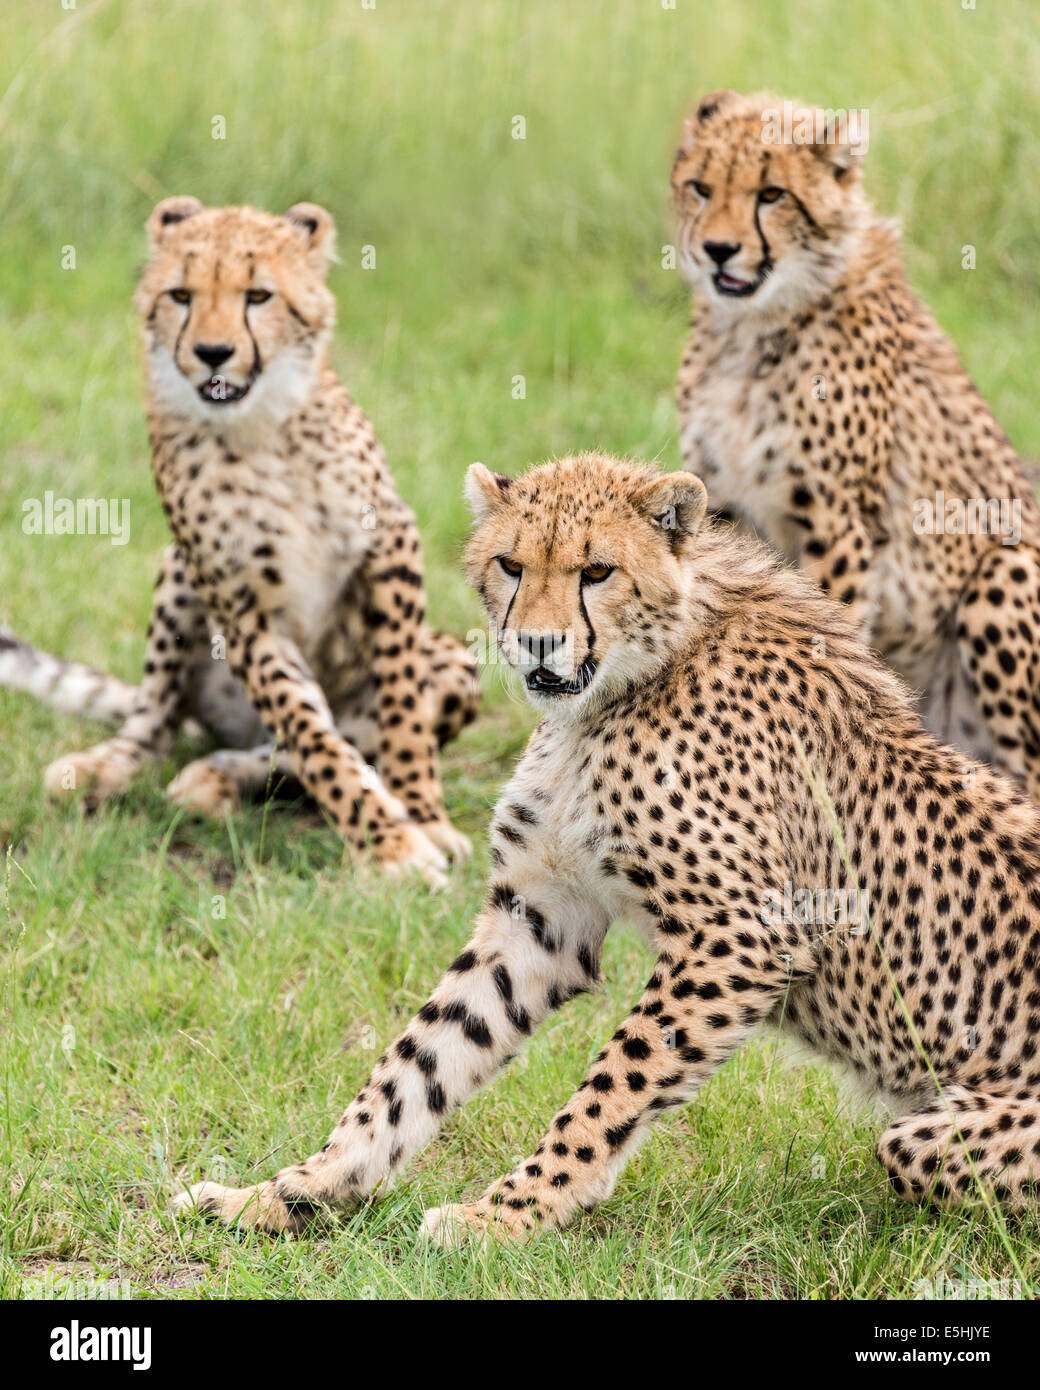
point(510, 566)
point(771, 195)
point(180, 296)
point(595, 574)
point(701, 189)
point(257, 296)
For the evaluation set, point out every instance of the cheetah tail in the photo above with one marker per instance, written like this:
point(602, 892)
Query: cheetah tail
point(68, 685)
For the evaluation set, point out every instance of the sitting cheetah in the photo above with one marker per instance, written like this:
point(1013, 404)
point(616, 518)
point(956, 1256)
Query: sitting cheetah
point(823, 406)
point(289, 613)
point(715, 739)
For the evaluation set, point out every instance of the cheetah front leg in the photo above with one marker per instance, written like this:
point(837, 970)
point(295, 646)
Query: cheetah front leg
point(536, 944)
point(404, 691)
point(998, 637)
point(293, 704)
point(455, 685)
point(177, 625)
point(696, 1010)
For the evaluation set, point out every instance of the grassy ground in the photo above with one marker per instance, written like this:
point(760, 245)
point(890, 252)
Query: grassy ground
point(145, 1038)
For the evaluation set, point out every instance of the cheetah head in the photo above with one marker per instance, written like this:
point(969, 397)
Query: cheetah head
point(236, 310)
point(581, 567)
point(769, 201)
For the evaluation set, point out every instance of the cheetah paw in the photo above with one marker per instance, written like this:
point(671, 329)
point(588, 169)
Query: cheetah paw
point(451, 841)
point(406, 849)
point(453, 1227)
point(99, 773)
point(251, 1208)
point(204, 788)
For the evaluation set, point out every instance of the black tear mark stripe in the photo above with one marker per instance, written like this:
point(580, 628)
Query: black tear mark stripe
point(590, 637)
point(187, 316)
point(767, 258)
point(509, 608)
point(258, 364)
point(820, 232)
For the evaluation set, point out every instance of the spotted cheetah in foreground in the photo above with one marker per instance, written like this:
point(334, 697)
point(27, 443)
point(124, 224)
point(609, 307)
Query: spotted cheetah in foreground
point(822, 405)
point(714, 735)
point(294, 559)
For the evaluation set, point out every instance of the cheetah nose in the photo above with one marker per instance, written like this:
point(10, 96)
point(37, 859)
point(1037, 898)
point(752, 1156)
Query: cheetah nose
point(720, 251)
point(213, 354)
point(540, 645)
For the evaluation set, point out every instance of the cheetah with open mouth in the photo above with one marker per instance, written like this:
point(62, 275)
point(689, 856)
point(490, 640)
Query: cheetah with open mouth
point(733, 740)
point(824, 408)
point(289, 615)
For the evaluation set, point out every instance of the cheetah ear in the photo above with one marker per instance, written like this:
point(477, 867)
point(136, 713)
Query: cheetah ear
point(844, 161)
point(713, 103)
point(676, 504)
point(707, 109)
point(167, 214)
point(485, 491)
point(317, 228)
point(845, 158)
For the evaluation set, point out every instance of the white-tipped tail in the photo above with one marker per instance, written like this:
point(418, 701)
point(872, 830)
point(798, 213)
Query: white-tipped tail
point(67, 685)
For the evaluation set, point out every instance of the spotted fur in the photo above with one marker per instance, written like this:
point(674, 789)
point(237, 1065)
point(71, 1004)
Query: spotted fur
point(715, 755)
point(289, 615)
point(824, 408)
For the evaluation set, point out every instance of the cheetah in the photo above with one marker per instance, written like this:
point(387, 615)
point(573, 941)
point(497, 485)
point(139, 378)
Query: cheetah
point(824, 407)
point(702, 758)
point(288, 616)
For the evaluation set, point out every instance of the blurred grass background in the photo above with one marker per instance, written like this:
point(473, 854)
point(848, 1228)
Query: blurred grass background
point(193, 1037)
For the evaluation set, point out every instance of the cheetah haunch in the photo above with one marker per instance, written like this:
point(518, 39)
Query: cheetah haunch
point(822, 405)
point(714, 733)
point(294, 563)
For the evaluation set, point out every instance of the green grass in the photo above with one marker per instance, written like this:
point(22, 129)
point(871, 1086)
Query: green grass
point(145, 1040)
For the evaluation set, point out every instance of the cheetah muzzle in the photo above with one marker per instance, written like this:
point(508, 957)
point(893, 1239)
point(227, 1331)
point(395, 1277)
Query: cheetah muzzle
point(217, 390)
point(737, 288)
point(542, 681)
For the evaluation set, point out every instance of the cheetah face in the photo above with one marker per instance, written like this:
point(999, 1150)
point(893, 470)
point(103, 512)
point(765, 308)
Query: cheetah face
point(763, 225)
point(236, 310)
point(582, 575)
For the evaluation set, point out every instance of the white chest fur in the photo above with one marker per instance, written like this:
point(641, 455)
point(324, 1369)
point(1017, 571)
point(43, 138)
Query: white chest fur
point(735, 437)
point(257, 518)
